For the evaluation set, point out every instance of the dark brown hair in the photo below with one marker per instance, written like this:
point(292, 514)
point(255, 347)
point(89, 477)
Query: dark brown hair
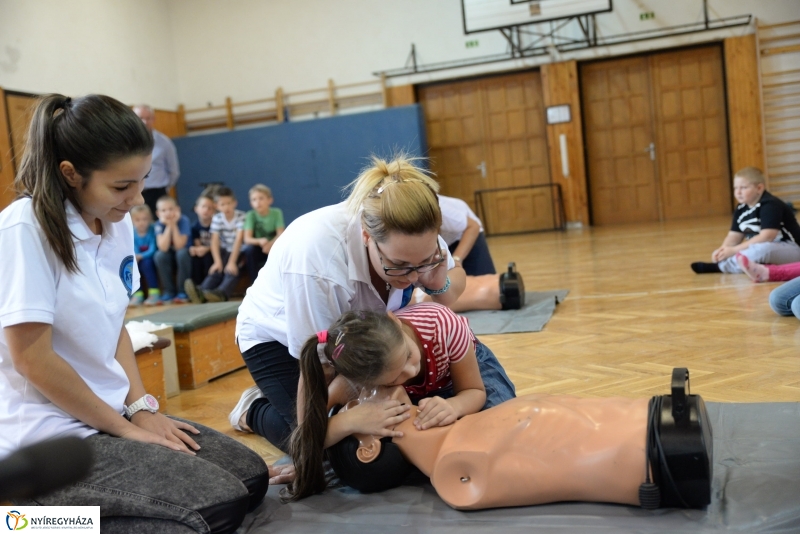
point(368, 339)
point(91, 132)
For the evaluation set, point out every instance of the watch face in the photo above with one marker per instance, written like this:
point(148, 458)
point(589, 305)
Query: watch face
point(151, 402)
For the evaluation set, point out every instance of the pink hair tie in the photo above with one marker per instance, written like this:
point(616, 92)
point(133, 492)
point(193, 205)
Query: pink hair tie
point(322, 336)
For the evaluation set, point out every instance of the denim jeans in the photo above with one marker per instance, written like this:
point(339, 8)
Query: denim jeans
point(221, 280)
point(783, 299)
point(200, 267)
point(147, 267)
point(276, 372)
point(164, 261)
point(479, 260)
point(255, 259)
point(497, 384)
point(141, 487)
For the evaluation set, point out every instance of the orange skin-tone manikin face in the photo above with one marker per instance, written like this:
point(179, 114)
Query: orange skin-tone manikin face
point(528, 450)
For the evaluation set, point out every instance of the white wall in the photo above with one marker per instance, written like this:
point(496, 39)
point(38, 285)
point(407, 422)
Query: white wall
point(245, 49)
point(122, 48)
point(167, 52)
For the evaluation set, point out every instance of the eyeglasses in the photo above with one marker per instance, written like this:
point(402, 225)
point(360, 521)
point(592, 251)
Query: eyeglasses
point(403, 271)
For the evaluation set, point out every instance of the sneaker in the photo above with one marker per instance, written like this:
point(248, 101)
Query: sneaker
point(166, 298)
point(214, 295)
point(153, 299)
point(247, 398)
point(194, 293)
point(136, 300)
point(181, 298)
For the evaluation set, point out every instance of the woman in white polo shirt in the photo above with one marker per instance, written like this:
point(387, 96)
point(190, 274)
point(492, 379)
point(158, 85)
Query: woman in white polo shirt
point(368, 252)
point(66, 362)
point(463, 232)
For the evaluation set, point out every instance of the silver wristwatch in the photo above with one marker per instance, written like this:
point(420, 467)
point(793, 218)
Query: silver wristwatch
point(148, 402)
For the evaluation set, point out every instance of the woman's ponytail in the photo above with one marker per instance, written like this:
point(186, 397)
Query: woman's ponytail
point(39, 177)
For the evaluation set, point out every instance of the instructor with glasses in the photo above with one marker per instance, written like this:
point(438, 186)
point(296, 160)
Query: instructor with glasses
point(367, 253)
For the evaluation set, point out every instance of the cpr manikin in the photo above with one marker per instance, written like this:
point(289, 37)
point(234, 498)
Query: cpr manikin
point(546, 448)
point(504, 291)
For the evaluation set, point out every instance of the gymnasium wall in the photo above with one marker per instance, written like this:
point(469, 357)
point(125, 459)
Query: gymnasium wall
point(167, 52)
point(123, 48)
point(306, 164)
point(245, 49)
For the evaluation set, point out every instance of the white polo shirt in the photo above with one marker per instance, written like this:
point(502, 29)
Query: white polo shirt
point(455, 213)
point(86, 310)
point(316, 271)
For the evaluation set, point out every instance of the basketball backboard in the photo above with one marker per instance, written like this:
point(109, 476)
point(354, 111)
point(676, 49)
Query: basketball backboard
point(486, 15)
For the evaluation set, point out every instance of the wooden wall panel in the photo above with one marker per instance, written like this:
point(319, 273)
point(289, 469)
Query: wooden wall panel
point(169, 123)
point(744, 105)
point(20, 110)
point(6, 166)
point(401, 95)
point(560, 86)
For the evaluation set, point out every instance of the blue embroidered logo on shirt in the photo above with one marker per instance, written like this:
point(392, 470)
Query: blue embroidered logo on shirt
point(126, 274)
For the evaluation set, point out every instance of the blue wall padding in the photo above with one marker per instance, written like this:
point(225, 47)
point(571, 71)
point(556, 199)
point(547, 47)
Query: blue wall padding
point(306, 164)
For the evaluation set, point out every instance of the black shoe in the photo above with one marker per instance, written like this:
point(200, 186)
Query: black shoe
point(704, 268)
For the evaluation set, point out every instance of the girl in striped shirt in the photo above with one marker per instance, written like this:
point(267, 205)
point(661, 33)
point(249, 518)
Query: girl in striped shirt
point(426, 348)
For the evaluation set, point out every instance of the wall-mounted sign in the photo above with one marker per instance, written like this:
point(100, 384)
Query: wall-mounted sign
point(558, 114)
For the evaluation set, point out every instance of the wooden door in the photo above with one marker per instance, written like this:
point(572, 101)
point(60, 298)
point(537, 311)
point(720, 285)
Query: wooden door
point(490, 134)
point(691, 133)
point(454, 126)
point(616, 103)
point(656, 136)
point(517, 154)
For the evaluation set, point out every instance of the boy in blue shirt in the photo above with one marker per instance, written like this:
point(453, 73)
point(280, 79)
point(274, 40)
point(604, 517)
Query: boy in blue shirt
point(144, 245)
point(172, 238)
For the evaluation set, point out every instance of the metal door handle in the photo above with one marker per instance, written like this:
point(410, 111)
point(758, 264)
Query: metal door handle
point(652, 150)
point(482, 168)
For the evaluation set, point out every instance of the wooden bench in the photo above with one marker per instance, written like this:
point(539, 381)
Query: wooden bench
point(204, 340)
point(150, 362)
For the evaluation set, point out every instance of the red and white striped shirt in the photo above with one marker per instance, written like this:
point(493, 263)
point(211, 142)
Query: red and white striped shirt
point(445, 337)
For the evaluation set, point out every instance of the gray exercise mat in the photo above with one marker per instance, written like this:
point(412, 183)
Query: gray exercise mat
point(756, 488)
point(539, 307)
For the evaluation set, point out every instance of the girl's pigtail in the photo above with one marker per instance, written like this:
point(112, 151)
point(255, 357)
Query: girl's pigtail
point(307, 442)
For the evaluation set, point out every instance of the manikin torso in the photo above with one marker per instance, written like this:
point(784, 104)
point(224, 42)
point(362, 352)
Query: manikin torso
point(529, 450)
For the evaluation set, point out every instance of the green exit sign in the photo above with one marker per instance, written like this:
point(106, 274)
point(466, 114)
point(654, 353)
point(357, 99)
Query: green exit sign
point(471, 44)
point(647, 16)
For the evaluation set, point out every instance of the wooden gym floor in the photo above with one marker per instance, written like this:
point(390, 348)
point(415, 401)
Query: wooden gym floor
point(635, 310)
